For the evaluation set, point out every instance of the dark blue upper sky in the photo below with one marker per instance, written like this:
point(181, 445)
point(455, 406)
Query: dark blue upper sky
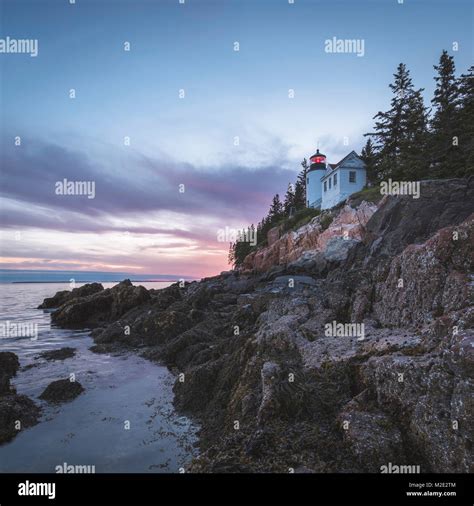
point(228, 94)
point(190, 47)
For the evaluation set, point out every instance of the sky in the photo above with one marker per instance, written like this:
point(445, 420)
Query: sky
point(182, 135)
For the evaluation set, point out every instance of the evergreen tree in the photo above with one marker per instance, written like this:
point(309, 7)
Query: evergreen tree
point(465, 119)
point(388, 125)
point(231, 255)
point(414, 159)
point(262, 229)
point(276, 210)
point(289, 201)
point(300, 187)
point(251, 235)
point(401, 143)
point(398, 129)
point(266, 226)
point(369, 156)
point(444, 124)
point(241, 247)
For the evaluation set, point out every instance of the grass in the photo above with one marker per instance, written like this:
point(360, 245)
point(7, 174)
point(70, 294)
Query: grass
point(300, 218)
point(325, 221)
point(371, 194)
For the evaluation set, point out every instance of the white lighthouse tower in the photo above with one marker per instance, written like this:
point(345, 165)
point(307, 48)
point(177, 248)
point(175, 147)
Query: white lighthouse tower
point(316, 171)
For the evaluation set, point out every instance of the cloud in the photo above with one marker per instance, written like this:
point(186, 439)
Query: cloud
point(138, 221)
point(142, 185)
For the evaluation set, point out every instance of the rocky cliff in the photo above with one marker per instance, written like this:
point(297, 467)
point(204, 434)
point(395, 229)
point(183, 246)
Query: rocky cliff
point(332, 233)
point(339, 348)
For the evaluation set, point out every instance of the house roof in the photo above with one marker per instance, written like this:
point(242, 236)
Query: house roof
point(347, 156)
point(335, 166)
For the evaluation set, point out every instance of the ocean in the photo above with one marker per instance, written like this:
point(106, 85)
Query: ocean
point(53, 276)
point(121, 390)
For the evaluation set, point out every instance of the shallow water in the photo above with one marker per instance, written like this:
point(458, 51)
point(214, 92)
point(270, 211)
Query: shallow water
point(93, 428)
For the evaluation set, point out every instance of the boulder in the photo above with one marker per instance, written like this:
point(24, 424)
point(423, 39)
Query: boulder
point(9, 365)
point(338, 248)
point(60, 354)
point(61, 391)
point(16, 411)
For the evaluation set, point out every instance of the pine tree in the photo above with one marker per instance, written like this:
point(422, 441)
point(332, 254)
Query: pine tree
point(276, 210)
point(388, 125)
point(300, 187)
point(465, 119)
point(443, 124)
point(289, 202)
point(397, 128)
point(251, 236)
point(369, 156)
point(414, 159)
point(231, 255)
point(242, 247)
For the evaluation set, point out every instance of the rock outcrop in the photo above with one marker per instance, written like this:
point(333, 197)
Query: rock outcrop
point(102, 306)
point(17, 412)
point(9, 365)
point(333, 230)
point(326, 356)
point(61, 354)
point(62, 390)
point(65, 295)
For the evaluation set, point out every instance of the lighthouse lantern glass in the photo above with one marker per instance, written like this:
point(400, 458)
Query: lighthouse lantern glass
point(318, 159)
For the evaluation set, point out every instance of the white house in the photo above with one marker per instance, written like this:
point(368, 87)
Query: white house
point(329, 184)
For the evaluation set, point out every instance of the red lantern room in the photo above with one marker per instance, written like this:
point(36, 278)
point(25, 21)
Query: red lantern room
point(318, 161)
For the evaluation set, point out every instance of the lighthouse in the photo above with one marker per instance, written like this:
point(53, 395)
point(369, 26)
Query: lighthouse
point(316, 171)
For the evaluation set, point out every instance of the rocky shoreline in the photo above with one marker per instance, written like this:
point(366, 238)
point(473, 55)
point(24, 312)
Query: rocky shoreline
point(273, 391)
point(17, 412)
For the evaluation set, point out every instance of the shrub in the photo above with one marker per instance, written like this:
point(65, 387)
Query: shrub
point(299, 219)
point(368, 194)
point(325, 221)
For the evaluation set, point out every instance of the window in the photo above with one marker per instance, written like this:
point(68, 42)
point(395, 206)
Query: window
point(352, 176)
point(307, 180)
point(325, 185)
point(329, 180)
point(308, 203)
point(335, 179)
